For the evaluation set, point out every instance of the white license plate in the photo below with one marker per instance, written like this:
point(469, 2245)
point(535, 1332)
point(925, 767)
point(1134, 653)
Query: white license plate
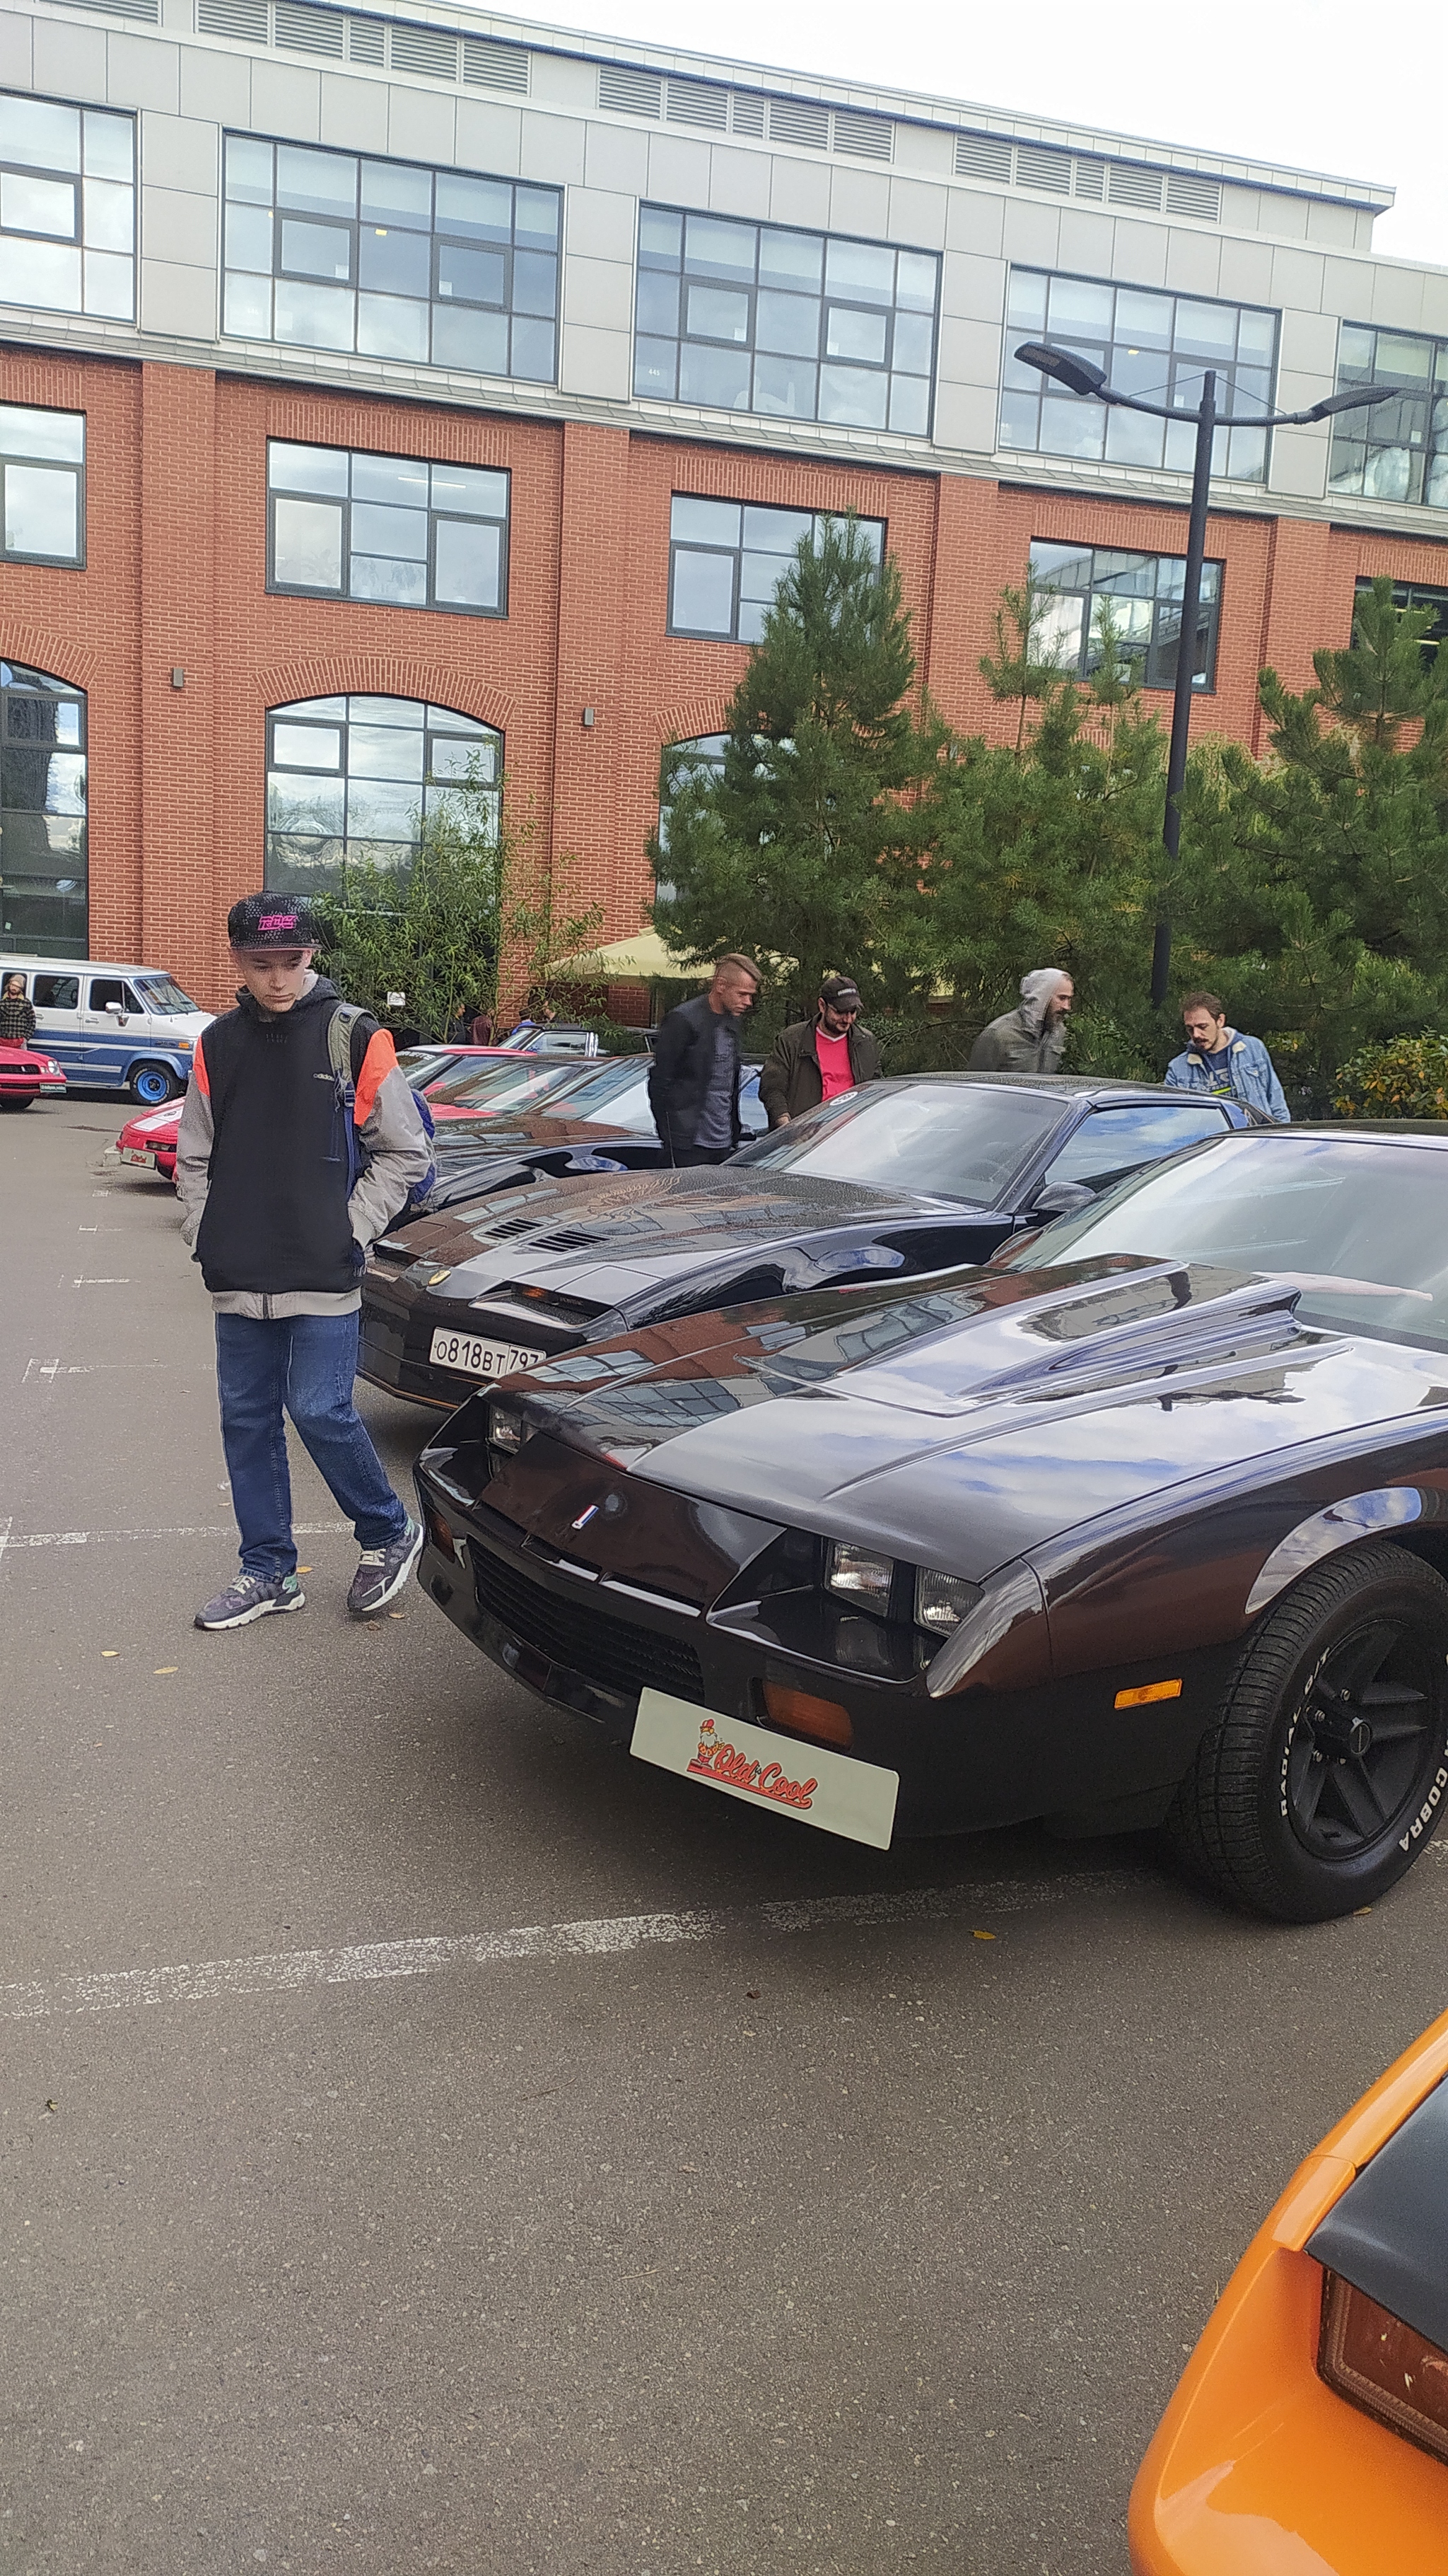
point(855, 1799)
point(135, 1154)
point(477, 1358)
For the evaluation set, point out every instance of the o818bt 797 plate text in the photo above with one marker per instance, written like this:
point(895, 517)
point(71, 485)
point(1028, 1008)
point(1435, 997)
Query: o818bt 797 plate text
point(474, 1357)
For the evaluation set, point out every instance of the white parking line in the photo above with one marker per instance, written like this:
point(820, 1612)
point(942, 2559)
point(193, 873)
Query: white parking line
point(209, 1529)
point(370, 1962)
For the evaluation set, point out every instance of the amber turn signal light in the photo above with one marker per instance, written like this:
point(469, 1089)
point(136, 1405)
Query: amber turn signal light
point(441, 1535)
point(1146, 1693)
point(1387, 2368)
point(824, 1719)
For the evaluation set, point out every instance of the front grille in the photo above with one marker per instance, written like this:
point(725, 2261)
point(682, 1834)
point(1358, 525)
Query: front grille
point(584, 1635)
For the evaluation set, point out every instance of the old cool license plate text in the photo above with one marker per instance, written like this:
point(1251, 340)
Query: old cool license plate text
point(481, 1359)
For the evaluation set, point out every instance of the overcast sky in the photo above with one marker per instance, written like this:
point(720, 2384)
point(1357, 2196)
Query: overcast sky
point(1329, 85)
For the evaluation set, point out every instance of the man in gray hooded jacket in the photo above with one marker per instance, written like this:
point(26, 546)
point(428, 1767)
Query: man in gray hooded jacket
point(1032, 1039)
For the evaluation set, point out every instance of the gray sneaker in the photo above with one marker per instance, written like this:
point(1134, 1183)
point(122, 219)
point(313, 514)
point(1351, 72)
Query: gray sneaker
point(251, 1596)
point(383, 1571)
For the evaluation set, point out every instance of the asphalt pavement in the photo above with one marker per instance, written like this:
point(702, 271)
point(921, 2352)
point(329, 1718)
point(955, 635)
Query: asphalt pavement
point(433, 2140)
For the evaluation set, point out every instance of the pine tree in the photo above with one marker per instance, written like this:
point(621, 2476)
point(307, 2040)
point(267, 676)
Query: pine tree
point(805, 850)
point(1317, 879)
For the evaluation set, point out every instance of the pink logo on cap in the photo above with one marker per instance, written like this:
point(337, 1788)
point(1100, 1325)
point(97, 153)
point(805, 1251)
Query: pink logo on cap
point(277, 921)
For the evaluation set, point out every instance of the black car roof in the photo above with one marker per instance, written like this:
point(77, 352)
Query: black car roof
point(1388, 2234)
point(1067, 1086)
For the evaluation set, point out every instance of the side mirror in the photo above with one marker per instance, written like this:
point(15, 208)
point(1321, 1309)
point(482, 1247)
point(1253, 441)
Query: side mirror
point(114, 1011)
point(1062, 1198)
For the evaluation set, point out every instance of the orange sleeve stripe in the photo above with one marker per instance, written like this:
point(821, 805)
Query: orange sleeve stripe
point(198, 1067)
point(377, 1063)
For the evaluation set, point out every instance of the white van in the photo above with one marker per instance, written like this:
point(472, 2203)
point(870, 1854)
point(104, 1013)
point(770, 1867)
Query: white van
point(112, 1027)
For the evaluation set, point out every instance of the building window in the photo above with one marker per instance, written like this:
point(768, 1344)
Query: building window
point(43, 899)
point(1158, 346)
point(701, 757)
point(42, 485)
point(67, 208)
point(327, 250)
point(344, 524)
point(804, 326)
point(1141, 598)
point(1417, 594)
point(1398, 451)
point(351, 781)
point(728, 558)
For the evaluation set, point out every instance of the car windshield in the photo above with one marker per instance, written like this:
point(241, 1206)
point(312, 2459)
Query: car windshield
point(1329, 1207)
point(159, 993)
point(508, 1083)
point(594, 1093)
point(955, 1140)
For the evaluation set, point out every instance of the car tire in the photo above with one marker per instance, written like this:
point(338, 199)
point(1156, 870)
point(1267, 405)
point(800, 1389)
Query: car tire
point(152, 1085)
point(1298, 1805)
point(18, 1104)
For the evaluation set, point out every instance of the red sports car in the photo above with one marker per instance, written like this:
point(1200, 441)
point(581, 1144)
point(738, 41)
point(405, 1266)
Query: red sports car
point(151, 1140)
point(27, 1075)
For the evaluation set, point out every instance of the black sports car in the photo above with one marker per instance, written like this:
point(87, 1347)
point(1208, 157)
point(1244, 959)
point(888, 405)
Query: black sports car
point(908, 1176)
point(1146, 1522)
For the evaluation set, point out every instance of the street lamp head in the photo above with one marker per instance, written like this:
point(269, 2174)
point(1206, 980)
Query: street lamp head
point(1078, 375)
point(1356, 398)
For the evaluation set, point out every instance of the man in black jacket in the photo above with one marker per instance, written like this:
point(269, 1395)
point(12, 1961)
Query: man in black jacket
point(694, 1071)
point(815, 1060)
point(280, 1203)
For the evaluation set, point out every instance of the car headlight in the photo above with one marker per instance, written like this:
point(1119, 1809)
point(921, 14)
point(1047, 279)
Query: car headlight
point(942, 1601)
point(507, 1429)
point(858, 1575)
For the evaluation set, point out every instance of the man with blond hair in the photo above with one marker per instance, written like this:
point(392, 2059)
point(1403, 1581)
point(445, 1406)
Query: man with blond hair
point(694, 1075)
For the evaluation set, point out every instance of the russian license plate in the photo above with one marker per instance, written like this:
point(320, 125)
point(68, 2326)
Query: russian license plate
point(136, 1154)
point(855, 1799)
point(477, 1358)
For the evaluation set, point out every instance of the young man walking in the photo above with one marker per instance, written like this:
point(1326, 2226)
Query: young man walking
point(815, 1060)
point(1221, 1060)
point(694, 1071)
point(279, 1207)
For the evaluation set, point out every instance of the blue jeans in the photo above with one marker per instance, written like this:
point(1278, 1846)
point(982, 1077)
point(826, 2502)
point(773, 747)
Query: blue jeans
point(304, 1364)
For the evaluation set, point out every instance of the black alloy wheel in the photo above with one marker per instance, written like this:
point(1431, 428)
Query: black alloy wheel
point(1326, 1771)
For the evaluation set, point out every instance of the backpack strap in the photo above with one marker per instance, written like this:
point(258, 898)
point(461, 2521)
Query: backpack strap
point(349, 1034)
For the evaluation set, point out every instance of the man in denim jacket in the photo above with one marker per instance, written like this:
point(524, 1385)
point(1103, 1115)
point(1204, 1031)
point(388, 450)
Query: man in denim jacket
point(1220, 1060)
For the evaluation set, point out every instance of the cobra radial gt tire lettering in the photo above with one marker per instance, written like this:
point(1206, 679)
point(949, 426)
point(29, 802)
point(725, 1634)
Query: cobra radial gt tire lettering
point(1233, 1824)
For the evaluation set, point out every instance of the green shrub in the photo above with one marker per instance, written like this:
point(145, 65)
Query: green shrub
point(1407, 1078)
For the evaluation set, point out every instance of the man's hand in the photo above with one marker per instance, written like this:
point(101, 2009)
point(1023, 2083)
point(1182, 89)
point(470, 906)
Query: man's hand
point(783, 1119)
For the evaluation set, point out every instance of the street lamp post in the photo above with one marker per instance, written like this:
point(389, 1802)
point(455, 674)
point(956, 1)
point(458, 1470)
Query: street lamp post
point(1082, 376)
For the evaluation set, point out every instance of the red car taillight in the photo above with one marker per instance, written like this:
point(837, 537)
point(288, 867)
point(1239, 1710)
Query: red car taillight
point(1387, 2368)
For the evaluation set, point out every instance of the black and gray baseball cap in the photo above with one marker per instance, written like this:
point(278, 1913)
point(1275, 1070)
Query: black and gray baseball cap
point(272, 921)
point(841, 992)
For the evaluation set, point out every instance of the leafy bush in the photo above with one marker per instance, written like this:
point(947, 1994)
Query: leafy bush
point(1407, 1078)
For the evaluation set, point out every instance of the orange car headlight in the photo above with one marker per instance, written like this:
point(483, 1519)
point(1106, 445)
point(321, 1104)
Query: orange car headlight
point(1387, 2368)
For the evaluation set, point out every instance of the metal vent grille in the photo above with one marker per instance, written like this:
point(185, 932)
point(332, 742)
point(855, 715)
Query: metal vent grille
point(1043, 169)
point(366, 40)
point(490, 66)
point(747, 115)
point(304, 30)
point(150, 10)
point(868, 138)
point(1187, 195)
point(794, 120)
point(983, 156)
point(426, 50)
point(582, 1635)
point(1127, 185)
point(697, 103)
point(244, 19)
point(1091, 179)
point(634, 93)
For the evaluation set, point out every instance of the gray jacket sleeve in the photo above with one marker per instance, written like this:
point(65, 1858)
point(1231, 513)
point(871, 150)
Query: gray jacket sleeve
point(193, 1159)
point(396, 1141)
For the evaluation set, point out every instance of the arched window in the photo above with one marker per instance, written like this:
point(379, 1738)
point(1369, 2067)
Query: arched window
point(353, 780)
point(43, 867)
